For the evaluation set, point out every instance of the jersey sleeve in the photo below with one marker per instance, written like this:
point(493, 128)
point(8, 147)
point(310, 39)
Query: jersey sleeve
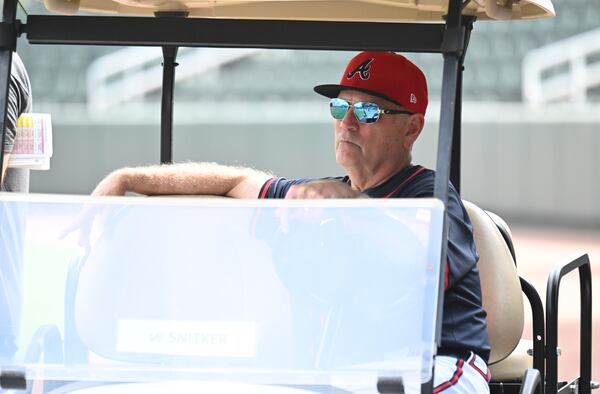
point(461, 254)
point(278, 187)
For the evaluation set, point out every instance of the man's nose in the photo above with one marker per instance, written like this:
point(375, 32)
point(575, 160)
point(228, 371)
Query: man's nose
point(349, 122)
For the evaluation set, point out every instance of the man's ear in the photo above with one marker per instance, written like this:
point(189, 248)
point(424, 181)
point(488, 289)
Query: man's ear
point(415, 126)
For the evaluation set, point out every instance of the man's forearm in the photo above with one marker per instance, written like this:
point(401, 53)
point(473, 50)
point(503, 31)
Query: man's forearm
point(184, 178)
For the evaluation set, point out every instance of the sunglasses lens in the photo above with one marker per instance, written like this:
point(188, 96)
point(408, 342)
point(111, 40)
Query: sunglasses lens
point(366, 112)
point(338, 108)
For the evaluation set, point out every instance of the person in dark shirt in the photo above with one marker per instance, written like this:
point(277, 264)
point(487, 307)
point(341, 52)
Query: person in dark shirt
point(11, 224)
point(19, 102)
point(379, 110)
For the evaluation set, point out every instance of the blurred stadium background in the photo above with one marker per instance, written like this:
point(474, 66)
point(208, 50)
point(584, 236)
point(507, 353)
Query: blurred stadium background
point(531, 118)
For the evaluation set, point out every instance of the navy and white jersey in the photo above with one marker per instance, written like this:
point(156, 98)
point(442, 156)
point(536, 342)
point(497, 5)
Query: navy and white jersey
point(464, 322)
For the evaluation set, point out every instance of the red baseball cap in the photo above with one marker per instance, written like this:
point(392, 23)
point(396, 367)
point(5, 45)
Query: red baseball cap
point(383, 74)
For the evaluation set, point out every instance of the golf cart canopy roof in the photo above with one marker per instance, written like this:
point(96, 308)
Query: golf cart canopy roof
point(322, 10)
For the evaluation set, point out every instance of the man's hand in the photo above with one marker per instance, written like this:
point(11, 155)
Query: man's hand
point(323, 189)
point(113, 184)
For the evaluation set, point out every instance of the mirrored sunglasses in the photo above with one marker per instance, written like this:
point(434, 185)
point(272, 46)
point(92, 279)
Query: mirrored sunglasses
point(364, 112)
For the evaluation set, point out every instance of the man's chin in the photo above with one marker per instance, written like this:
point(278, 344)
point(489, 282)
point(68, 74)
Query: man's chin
point(347, 150)
point(346, 159)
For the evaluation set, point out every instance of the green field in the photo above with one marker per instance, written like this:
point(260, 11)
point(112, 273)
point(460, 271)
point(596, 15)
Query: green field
point(44, 277)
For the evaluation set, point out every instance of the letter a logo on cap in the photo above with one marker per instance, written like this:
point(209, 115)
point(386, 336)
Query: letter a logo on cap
point(363, 70)
point(413, 98)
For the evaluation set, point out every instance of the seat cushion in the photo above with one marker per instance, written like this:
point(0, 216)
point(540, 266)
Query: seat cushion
point(513, 367)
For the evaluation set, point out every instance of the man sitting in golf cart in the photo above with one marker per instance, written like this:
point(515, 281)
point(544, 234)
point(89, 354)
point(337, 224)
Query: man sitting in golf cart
point(379, 110)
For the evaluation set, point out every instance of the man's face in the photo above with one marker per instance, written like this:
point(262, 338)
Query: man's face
point(373, 148)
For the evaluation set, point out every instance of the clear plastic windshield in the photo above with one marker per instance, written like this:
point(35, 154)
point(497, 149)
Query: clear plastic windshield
point(266, 295)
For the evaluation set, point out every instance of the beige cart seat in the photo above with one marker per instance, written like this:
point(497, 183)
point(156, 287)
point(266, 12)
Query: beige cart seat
point(502, 298)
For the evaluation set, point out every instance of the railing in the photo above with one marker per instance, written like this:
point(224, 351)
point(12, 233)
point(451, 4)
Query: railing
point(563, 71)
point(582, 264)
point(131, 73)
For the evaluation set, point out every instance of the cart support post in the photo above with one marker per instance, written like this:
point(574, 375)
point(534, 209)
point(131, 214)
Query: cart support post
point(8, 43)
point(166, 118)
point(453, 44)
point(455, 157)
point(168, 87)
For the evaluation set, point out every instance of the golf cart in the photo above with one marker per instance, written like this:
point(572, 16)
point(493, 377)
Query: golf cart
point(411, 26)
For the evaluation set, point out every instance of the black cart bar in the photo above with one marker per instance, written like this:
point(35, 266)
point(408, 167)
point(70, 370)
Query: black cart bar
point(234, 33)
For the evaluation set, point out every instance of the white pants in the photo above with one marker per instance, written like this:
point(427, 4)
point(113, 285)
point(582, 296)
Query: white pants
point(457, 376)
